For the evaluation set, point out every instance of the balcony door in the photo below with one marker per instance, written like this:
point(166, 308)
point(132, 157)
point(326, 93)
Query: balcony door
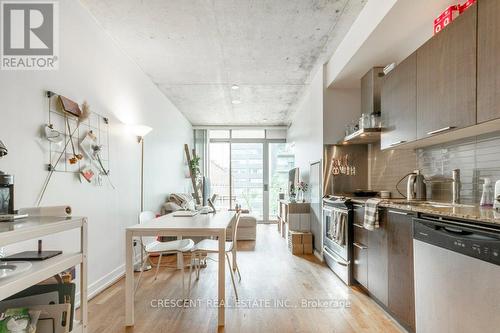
point(249, 170)
point(247, 177)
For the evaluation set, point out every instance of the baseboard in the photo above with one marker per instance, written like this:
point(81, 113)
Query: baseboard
point(103, 283)
point(318, 255)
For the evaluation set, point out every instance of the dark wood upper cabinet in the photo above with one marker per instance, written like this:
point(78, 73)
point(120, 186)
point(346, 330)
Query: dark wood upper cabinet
point(488, 60)
point(401, 298)
point(370, 90)
point(446, 78)
point(399, 104)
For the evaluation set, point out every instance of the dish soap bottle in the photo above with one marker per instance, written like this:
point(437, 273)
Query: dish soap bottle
point(487, 197)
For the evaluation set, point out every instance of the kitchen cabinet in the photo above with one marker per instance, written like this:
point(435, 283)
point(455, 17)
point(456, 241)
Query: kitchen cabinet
point(370, 90)
point(401, 295)
point(446, 78)
point(360, 249)
point(488, 60)
point(383, 262)
point(378, 262)
point(399, 104)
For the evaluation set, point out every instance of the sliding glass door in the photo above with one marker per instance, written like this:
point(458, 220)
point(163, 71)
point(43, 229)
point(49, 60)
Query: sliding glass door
point(247, 168)
point(247, 176)
point(220, 173)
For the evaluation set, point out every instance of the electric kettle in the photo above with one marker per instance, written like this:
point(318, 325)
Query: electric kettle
point(415, 188)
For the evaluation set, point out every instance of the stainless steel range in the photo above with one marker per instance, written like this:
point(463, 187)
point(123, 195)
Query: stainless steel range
point(337, 236)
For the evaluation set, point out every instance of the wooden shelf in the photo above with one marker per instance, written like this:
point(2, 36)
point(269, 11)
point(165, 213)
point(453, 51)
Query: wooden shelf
point(363, 136)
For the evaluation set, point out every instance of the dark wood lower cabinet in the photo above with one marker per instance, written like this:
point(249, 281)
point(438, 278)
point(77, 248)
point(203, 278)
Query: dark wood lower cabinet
point(401, 297)
point(360, 249)
point(383, 263)
point(377, 262)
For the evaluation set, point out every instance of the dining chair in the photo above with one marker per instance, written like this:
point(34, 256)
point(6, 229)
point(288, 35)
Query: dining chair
point(150, 245)
point(207, 246)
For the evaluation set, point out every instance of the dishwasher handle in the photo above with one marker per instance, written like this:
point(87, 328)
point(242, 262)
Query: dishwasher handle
point(455, 230)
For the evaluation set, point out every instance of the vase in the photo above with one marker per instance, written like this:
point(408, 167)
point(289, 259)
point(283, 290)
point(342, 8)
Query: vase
point(300, 196)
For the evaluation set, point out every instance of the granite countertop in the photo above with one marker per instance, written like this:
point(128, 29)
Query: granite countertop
point(473, 213)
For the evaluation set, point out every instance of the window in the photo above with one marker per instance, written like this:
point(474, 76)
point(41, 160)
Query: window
point(220, 173)
point(242, 161)
point(219, 134)
point(248, 134)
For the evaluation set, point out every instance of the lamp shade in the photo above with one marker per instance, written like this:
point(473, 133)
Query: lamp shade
point(141, 130)
point(3, 149)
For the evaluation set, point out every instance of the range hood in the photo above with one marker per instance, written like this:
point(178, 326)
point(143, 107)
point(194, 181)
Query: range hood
point(363, 136)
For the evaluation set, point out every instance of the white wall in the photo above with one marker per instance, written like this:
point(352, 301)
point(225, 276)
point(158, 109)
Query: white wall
point(341, 107)
point(306, 130)
point(93, 69)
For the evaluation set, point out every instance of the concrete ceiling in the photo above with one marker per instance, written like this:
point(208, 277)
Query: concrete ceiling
point(196, 50)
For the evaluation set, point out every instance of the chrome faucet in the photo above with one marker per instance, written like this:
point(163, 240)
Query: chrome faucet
point(457, 186)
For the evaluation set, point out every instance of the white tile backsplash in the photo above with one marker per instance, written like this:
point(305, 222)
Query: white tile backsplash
point(476, 157)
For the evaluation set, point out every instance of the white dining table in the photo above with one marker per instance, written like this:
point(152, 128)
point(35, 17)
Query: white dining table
point(213, 224)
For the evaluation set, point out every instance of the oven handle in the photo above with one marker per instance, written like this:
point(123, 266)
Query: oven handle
point(332, 209)
point(335, 257)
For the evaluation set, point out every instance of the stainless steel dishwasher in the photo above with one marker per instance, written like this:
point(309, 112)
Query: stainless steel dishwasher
point(457, 276)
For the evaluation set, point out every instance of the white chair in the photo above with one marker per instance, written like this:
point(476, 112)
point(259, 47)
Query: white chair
point(152, 246)
point(212, 246)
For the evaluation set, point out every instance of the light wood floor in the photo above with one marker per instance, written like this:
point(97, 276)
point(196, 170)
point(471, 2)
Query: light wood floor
point(269, 274)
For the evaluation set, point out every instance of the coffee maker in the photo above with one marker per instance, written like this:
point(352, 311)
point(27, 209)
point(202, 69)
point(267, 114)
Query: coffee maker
point(6, 187)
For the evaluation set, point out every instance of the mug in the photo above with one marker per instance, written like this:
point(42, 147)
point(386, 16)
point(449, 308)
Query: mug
point(385, 194)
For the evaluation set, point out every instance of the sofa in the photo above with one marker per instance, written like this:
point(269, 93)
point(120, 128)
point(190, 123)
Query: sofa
point(247, 229)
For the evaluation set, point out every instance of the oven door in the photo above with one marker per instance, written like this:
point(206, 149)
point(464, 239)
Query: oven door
point(341, 250)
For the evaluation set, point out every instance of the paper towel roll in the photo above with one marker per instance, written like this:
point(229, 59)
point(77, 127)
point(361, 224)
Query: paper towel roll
point(59, 211)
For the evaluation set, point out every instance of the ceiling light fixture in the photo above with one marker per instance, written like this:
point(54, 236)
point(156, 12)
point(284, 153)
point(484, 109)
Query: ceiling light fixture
point(235, 87)
point(236, 101)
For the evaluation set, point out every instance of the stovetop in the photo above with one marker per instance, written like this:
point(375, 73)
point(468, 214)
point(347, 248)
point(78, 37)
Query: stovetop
point(337, 201)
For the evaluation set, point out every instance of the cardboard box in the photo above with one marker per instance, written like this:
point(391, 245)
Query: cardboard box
point(308, 248)
point(297, 249)
point(466, 5)
point(446, 18)
point(307, 238)
point(295, 237)
point(300, 242)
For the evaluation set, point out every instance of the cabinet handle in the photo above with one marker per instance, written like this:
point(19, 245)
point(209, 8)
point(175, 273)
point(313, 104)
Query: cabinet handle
point(444, 129)
point(398, 212)
point(360, 246)
point(397, 143)
point(359, 225)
